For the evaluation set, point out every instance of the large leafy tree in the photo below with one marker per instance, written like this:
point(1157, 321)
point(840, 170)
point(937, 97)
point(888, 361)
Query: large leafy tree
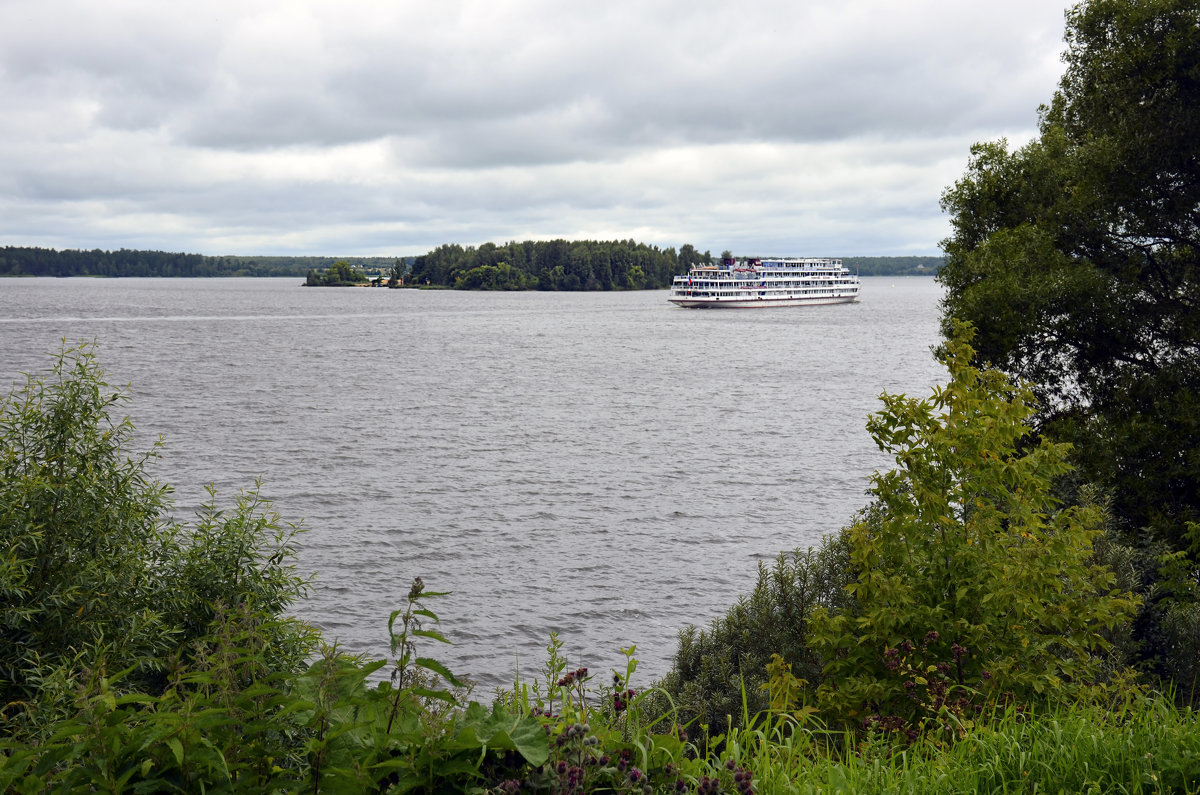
point(1076, 257)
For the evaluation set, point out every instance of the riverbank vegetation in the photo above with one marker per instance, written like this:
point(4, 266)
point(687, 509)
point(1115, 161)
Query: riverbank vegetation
point(1016, 609)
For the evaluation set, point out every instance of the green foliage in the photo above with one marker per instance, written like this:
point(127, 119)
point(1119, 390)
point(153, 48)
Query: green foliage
point(398, 274)
point(493, 277)
point(238, 559)
point(30, 261)
point(81, 530)
point(339, 274)
point(1077, 257)
point(612, 739)
point(554, 265)
point(227, 721)
point(717, 673)
point(971, 584)
point(408, 733)
point(95, 574)
point(894, 266)
point(1148, 748)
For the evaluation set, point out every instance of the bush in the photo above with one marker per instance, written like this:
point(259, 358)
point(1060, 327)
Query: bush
point(713, 668)
point(974, 585)
point(95, 574)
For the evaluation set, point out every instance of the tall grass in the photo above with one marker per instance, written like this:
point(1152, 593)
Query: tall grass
point(1151, 747)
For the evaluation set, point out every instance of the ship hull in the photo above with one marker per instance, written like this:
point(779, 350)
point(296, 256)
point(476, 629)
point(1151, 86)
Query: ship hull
point(757, 303)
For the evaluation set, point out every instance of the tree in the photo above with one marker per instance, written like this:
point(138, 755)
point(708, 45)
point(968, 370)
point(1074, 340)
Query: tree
point(1077, 257)
point(968, 576)
point(94, 572)
point(398, 273)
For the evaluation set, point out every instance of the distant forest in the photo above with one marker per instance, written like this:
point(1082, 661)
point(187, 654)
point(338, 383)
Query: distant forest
point(18, 261)
point(554, 265)
point(529, 265)
point(894, 266)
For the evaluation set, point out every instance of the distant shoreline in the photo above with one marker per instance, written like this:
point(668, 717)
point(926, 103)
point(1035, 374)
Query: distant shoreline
point(16, 261)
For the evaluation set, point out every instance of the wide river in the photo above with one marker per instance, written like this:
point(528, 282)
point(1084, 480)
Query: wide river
point(603, 465)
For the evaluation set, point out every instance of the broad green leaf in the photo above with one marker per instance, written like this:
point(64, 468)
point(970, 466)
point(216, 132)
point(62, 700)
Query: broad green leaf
point(176, 749)
point(430, 633)
point(431, 664)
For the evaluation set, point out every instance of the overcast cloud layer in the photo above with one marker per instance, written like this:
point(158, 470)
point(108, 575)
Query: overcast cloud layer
point(808, 127)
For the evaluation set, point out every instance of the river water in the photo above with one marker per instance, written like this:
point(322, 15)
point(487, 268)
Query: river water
point(603, 465)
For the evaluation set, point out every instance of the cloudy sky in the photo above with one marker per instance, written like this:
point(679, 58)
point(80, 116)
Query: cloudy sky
point(807, 127)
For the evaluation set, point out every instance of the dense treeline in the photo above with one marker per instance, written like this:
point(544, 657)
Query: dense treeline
point(530, 265)
point(894, 266)
point(340, 274)
point(555, 265)
point(32, 261)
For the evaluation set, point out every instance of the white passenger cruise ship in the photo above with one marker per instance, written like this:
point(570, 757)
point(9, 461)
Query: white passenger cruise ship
point(777, 281)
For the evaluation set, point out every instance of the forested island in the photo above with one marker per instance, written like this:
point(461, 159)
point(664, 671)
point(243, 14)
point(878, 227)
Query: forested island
point(555, 265)
point(528, 265)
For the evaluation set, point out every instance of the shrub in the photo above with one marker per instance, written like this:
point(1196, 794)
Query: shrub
point(713, 668)
point(94, 573)
point(974, 585)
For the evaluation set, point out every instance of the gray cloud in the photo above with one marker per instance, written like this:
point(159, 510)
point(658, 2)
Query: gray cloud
point(828, 126)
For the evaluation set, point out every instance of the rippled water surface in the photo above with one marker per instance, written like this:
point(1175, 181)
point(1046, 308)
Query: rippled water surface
point(602, 464)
